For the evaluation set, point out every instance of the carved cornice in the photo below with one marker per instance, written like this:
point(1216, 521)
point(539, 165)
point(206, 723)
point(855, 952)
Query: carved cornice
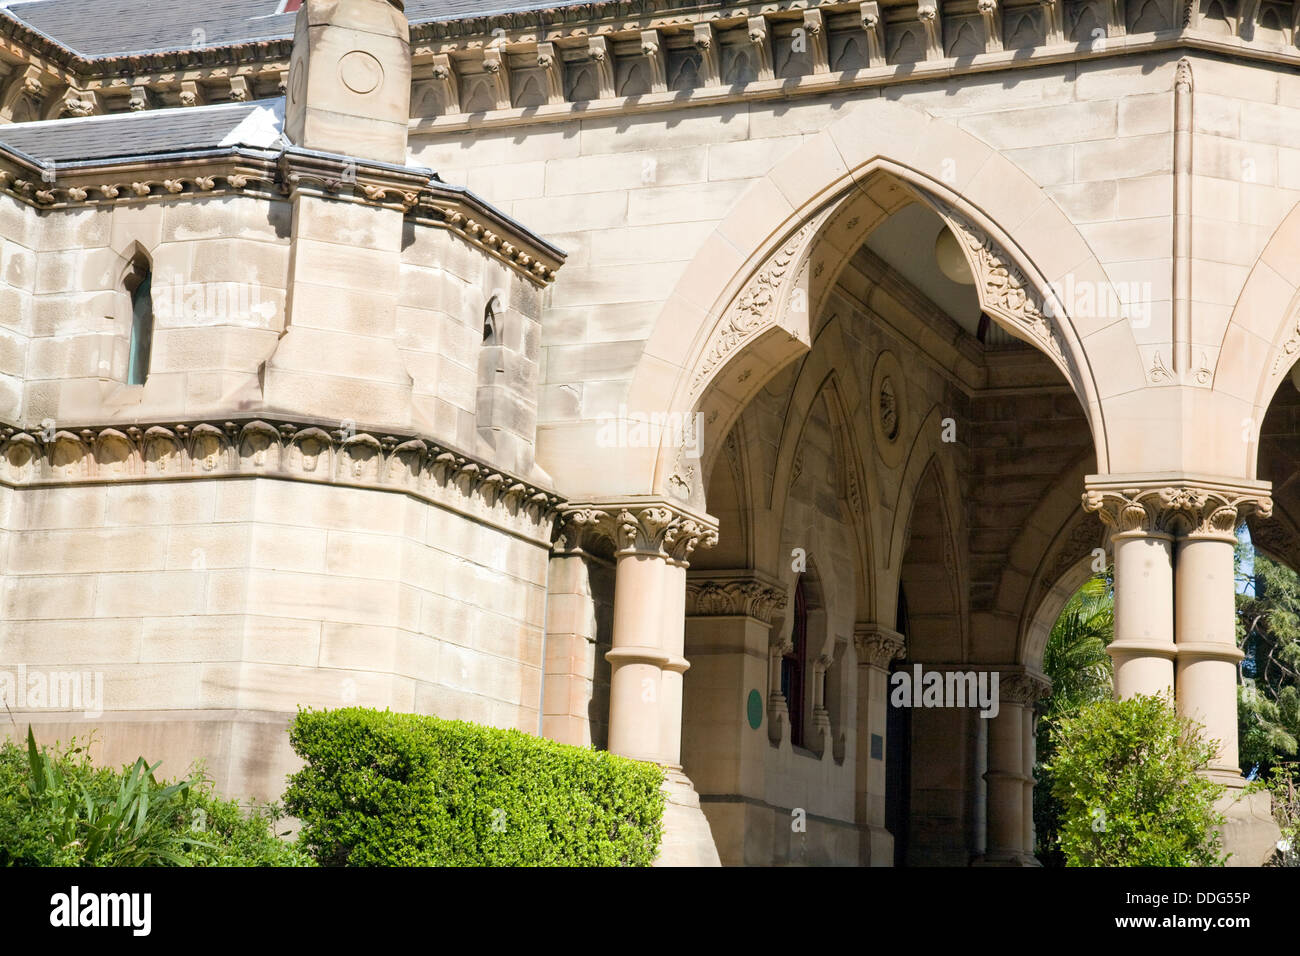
point(1191, 507)
point(742, 593)
point(285, 174)
point(650, 526)
point(587, 33)
point(877, 645)
point(329, 453)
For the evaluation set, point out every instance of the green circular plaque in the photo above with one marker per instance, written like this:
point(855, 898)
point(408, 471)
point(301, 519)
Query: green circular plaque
point(754, 709)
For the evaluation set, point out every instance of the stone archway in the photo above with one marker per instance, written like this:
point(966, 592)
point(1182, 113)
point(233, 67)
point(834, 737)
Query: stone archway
point(729, 323)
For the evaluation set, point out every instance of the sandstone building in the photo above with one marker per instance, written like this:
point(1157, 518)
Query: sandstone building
point(650, 374)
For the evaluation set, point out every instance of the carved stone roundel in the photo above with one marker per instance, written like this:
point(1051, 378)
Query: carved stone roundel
point(887, 403)
point(888, 408)
point(360, 72)
point(297, 81)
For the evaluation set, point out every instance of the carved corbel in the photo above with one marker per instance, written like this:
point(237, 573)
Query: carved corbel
point(601, 54)
point(873, 22)
point(927, 11)
point(192, 94)
point(239, 89)
point(549, 59)
point(761, 38)
point(1053, 31)
point(710, 74)
point(447, 84)
point(991, 14)
point(27, 89)
point(652, 48)
point(74, 103)
point(814, 28)
point(142, 98)
point(494, 65)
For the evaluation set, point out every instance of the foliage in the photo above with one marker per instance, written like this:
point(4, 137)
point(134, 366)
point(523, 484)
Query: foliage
point(1125, 773)
point(1268, 630)
point(57, 809)
point(1076, 662)
point(1283, 784)
point(389, 789)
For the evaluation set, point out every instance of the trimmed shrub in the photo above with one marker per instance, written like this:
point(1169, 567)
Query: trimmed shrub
point(1125, 773)
point(386, 789)
point(57, 809)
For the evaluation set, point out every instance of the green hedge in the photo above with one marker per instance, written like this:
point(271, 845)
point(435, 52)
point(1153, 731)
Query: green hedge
point(385, 789)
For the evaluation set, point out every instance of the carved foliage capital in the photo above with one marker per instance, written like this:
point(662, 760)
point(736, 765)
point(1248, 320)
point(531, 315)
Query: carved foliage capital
point(1185, 510)
point(653, 528)
point(1023, 688)
point(878, 646)
point(733, 597)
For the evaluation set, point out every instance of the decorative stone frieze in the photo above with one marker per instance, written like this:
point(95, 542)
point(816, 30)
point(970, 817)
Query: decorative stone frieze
point(755, 309)
point(1194, 508)
point(878, 646)
point(287, 173)
point(1004, 290)
point(299, 451)
point(741, 593)
point(649, 526)
point(586, 36)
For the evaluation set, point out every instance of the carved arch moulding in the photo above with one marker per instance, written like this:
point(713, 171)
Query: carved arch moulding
point(787, 289)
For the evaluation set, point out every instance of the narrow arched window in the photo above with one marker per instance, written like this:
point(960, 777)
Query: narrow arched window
point(792, 665)
point(139, 284)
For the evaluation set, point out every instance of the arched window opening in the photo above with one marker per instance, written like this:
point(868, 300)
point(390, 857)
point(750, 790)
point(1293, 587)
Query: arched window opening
point(139, 285)
point(792, 665)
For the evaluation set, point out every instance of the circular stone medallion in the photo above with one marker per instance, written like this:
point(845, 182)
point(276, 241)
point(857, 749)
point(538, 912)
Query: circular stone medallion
point(360, 72)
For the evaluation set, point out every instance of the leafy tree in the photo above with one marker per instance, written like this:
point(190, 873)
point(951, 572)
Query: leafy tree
point(1126, 775)
point(1268, 630)
point(1076, 662)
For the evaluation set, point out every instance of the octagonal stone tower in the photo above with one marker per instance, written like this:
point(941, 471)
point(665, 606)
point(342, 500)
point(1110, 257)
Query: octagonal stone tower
point(350, 79)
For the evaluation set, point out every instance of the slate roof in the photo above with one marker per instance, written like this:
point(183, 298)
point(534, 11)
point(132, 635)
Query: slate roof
point(97, 28)
point(153, 133)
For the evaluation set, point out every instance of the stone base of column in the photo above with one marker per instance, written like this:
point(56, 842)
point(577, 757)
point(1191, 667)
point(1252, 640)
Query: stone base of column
point(1250, 834)
point(687, 839)
point(876, 847)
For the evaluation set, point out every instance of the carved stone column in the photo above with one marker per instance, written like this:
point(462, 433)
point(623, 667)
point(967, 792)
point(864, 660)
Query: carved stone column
point(875, 647)
point(653, 541)
point(1205, 611)
point(1197, 516)
point(1010, 780)
point(1201, 514)
point(728, 619)
point(1143, 648)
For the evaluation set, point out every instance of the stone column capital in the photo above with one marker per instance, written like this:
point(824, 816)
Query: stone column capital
point(877, 645)
point(646, 526)
point(733, 594)
point(1023, 687)
point(1176, 505)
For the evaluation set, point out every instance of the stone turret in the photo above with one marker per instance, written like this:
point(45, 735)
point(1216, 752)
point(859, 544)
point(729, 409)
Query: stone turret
point(350, 79)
